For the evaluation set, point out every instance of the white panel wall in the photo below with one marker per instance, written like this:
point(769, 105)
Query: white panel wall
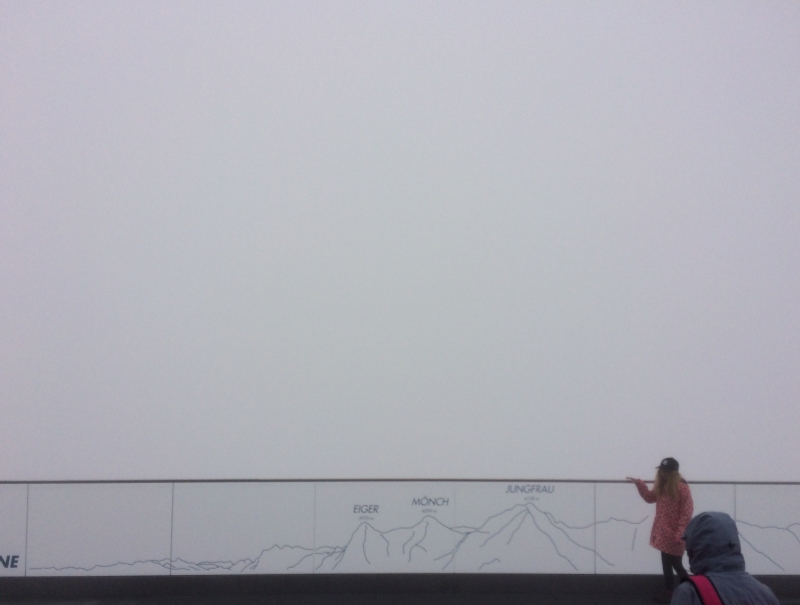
point(385, 527)
point(623, 521)
point(229, 528)
point(718, 497)
point(367, 527)
point(769, 526)
point(525, 528)
point(100, 529)
point(13, 512)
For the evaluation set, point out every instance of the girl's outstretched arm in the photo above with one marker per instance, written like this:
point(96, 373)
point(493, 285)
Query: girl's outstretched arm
point(647, 494)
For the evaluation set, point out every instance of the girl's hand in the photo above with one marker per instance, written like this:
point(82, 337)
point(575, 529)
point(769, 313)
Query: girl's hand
point(632, 480)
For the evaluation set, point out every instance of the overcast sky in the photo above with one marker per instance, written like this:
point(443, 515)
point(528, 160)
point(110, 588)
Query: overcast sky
point(399, 239)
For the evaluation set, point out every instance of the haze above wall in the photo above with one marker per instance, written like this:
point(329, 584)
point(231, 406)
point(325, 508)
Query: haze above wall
point(348, 239)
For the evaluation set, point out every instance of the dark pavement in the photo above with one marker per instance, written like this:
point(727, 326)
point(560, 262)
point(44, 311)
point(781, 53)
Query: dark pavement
point(363, 599)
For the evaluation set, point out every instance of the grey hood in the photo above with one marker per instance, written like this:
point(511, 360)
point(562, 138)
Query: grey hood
point(712, 543)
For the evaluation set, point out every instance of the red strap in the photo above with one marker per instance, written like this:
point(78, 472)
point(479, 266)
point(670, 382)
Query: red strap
point(708, 594)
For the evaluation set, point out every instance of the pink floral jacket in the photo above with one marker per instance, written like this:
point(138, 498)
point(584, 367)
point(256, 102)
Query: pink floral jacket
point(672, 517)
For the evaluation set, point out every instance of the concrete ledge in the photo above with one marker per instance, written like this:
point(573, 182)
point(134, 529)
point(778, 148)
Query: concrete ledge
point(534, 584)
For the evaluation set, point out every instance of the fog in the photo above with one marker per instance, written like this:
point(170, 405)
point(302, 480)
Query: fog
point(399, 240)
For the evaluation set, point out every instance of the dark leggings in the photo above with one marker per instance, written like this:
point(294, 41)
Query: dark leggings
point(670, 562)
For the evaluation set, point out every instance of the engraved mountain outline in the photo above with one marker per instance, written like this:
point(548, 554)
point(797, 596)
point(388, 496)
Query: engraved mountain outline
point(779, 545)
point(428, 545)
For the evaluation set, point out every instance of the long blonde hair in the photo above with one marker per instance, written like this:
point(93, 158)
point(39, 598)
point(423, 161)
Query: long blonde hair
point(666, 483)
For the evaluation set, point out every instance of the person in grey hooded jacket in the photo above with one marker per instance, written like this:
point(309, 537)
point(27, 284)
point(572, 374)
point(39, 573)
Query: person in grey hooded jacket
point(712, 543)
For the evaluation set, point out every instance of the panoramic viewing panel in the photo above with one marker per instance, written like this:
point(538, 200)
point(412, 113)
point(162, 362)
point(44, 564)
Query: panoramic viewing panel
point(230, 528)
point(99, 529)
point(352, 527)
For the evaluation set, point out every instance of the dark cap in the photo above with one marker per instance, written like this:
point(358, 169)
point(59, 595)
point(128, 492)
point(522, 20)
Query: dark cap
point(668, 464)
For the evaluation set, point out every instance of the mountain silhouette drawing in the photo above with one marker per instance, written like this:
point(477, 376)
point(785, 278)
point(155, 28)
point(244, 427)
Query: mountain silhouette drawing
point(518, 539)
